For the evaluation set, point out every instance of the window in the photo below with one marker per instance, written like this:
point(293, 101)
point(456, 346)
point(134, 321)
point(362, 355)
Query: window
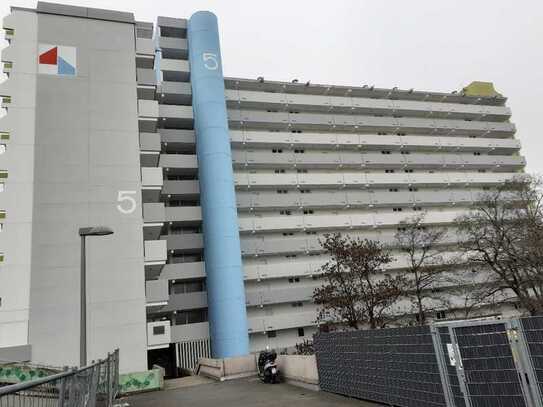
point(481, 170)
point(408, 171)
point(297, 304)
point(385, 152)
point(308, 211)
point(402, 229)
point(406, 152)
point(271, 334)
point(396, 209)
point(389, 171)
point(295, 131)
point(282, 191)
point(380, 133)
point(277, 150)
point(417, 208)
point(400, 134)
point(159, 330)
point(2, 148)
point(305, 191)
point(288, 234)
point(301, 332)
point(301, 171)
point(277, 171)
point(285, 212)
point(441, 315)
point(393, 190)
point(413, 189)
point(291, 256)
point(294, 280)
point(476, 153)
point(310, 232)
point(298, 151)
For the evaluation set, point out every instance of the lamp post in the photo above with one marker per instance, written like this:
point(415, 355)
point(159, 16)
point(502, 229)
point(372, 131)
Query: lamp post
point(84, 232)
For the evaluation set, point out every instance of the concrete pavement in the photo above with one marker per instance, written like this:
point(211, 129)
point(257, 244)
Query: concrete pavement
point(240, 393)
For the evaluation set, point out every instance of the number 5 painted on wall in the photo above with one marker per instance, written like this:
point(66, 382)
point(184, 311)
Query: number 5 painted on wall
point(126, 196)
point(210, 61)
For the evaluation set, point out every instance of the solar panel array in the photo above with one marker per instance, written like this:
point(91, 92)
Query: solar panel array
point(392, 366)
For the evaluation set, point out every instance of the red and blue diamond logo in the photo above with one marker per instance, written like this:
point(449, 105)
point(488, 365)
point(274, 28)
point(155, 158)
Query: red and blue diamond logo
point(57, 60)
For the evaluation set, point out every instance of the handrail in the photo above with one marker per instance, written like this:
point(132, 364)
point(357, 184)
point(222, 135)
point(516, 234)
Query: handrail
point(69, 387)
point(13, 388)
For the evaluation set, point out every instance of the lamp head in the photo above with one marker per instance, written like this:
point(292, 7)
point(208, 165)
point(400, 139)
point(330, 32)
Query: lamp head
point(95, 231)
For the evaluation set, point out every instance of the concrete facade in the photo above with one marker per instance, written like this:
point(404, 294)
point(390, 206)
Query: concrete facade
point(85, 152)
point(116, 144)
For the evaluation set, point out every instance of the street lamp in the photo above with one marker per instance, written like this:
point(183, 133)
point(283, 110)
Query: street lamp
point(84, 232)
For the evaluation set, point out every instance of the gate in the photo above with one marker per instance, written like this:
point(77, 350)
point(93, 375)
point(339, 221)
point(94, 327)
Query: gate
point(486, 363)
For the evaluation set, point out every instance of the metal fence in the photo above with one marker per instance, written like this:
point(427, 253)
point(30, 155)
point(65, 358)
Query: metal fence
point(476, 363)
point(95, 385)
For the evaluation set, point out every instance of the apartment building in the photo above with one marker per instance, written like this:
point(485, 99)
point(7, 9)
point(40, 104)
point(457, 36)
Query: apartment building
point(218, 189)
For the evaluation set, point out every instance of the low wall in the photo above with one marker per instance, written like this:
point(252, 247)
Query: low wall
point(141, 381)
point(299, 370)
point(16, 373)
point(228, 368)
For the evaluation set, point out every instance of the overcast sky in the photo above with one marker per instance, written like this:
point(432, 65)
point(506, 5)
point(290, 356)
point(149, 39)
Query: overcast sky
point(422, 44)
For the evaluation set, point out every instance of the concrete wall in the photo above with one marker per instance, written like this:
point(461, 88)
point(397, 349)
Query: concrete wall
point(299, 370)
point(17, 195)
point(87, 150)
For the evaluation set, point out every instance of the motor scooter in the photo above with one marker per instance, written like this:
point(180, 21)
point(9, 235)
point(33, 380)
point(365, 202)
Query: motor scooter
point(267, 368)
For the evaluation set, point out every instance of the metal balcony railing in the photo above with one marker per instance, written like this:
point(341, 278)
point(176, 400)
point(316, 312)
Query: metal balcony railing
point(89, 386)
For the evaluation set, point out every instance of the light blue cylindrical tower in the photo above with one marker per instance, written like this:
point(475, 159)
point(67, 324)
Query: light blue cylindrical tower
point(225, 290)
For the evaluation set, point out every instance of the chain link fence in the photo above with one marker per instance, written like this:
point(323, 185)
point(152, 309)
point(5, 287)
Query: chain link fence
point(95, 385)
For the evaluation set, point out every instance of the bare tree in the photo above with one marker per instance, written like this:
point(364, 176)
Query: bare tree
point(471, 289)
point(504, 233)
point(356, 289)
point(422, 248)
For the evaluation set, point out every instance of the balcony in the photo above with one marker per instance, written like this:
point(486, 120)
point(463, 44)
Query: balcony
point(252, 119)
point(190, 332)
point(247, 181)
point(175, 70)
point(145, 53)
point(176, 117)
point(149, 149)
point(179, 163)
point(151, 183)
point(172, 27)
point(173, 48)
point(299, 223)
point(302, 292)
point(363, 106)
point(153, 220)
point(329, 141)
point(187, 243)
point(146, 80)
point(184, 140)
point(7, 67)
point(156, 293)
point(281, 321)
point(175, 93)
point(183, 271)
point(186, 301)
point(155, 252)
point(158, 334)
point(147, 115)
point(186, 189)
point(184, 215)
